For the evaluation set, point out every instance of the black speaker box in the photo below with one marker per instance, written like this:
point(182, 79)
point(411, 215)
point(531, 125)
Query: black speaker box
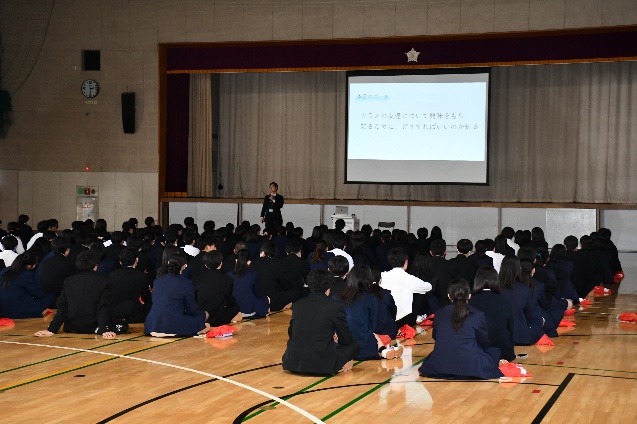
point(90, 60)
point(128, 112)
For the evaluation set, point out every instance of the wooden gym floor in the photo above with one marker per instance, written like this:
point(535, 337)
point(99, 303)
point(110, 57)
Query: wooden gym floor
point(590, 375)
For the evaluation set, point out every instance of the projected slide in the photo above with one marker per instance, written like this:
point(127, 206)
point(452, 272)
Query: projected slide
point(424, 128)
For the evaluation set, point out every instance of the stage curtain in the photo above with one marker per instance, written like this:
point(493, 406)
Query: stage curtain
point(558, 133)
point(200, 155)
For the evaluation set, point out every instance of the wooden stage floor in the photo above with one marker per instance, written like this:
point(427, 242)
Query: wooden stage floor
point(589, 376)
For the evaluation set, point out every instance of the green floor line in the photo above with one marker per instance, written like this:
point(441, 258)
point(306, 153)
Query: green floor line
point(316, 383)
point(64, 356)
point(364, 395)
point(90, 365)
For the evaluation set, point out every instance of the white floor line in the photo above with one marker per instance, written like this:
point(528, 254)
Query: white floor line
point(150, 361)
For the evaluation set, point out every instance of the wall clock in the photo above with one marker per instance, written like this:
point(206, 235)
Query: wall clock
point(90, 88)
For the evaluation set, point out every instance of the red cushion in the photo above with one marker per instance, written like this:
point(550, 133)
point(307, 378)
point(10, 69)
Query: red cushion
point(545, 341)
point(514, 370)
point(221, 331)
point(406, 332)
point(628, 317)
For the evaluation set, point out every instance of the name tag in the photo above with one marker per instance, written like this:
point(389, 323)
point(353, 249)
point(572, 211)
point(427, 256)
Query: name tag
point(270, 210)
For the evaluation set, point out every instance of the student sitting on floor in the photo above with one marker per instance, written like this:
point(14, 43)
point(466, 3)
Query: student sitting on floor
point(20, 295)
point(462, 349)
point(83, 306)
point(174, 311)
point(320, 340)
point(130, 296)
point(527, 321)
point(214, 291)
point(361, 311)
point(497, 310)
point(403, 286)
point(245, 289)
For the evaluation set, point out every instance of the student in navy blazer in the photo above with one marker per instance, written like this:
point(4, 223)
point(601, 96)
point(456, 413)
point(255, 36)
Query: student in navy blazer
point(497, 310)
point(20, 295)
point(462, 349)
point(174, 311)
point(527, 321)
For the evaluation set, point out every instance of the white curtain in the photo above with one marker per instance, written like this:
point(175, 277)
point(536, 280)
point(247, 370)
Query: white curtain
point(558, 133)
point(200, 155)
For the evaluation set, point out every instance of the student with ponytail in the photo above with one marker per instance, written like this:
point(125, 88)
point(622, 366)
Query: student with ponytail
point(20, 295)
point(320, 257)
point(174, 311)
point(462, 349)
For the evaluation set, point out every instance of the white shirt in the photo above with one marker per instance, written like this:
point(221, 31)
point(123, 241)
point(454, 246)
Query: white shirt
point(497, 259)
point(513, 245)
point(33, 239)
point(340, 252)
point(8, 256)
point(191, 250)
point(403, 286)
point(19, 248)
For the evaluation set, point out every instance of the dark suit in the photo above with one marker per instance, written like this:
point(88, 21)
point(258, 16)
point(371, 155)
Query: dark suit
point(460, 354)
point(196, 266)
point(75, 252)
point(83, 306)
point(271, 211)
point(499, 315)
point(295, 270)
point(214, 295)
point(463, 267)
point(442, 275)
point(52, 272)
point(482, 260)
point(270, 278)
point(337, 286)
point(311, 348)
point(587, 271)
point(381, 252)
point(127, 285)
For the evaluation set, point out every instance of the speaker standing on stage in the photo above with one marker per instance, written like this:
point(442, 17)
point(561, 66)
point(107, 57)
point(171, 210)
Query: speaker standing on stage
point(271, 210)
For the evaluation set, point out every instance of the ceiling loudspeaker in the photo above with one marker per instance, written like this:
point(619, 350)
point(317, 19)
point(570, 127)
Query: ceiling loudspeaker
point(128, 112)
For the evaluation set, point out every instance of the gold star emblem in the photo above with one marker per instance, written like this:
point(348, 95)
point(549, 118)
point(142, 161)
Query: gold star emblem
point(412, 55)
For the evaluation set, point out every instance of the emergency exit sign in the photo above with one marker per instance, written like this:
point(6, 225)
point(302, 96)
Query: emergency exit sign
point(86, 191)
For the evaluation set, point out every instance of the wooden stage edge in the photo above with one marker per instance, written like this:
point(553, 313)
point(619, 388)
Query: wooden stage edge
point(531, 205)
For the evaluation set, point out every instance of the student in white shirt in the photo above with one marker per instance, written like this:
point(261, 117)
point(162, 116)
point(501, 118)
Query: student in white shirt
point(402, 285)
